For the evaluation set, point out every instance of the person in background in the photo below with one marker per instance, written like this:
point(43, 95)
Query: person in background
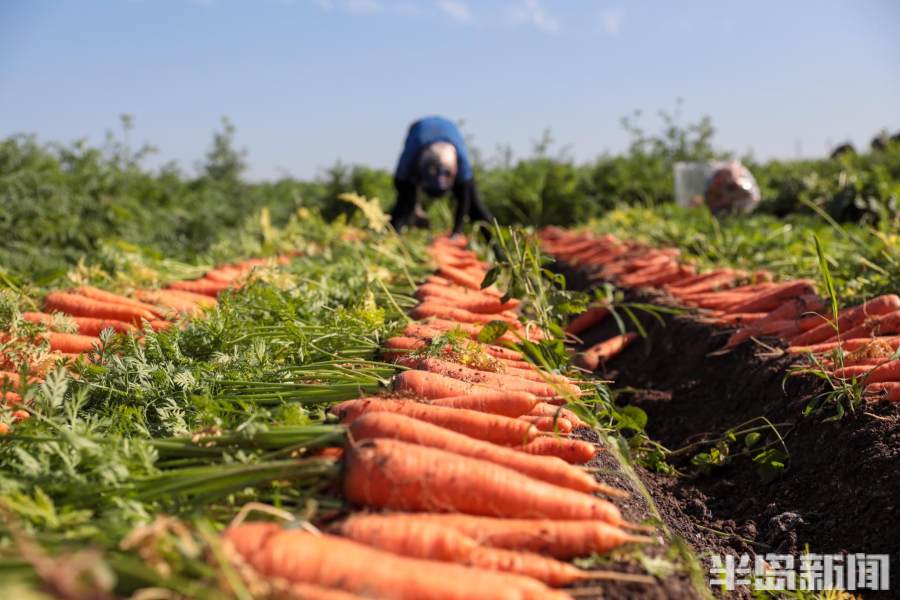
point(435, 161)
point(732, 189)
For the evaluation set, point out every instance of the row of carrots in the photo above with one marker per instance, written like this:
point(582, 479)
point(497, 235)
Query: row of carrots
point(90, 310)
point(468, 484)
point(866, 336)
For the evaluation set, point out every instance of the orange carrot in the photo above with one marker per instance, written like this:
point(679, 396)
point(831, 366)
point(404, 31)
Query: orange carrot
point(713, 282)
point(773, 298)
point(544, 423)
point(86, 325)
point(586, 320)
point(298, 556)
point(434, 385)
point(419, 538)
point(81, 306)
point(460, 277)
point(207, 287)
point(201, 299)
point(889, 371)
point(71, 343)
point(103, 295)
point(850, 345)
point(224, 274)
point(544, 468)
point(509, 404)
point(160, 324)
point(848, 319)
point(465, 298)
point(482, 426)
point(307, 591)
point(886, 324)
point(571, 451)
point(169, 301)
point(400, 476)
point(593, 357)
point(551, 389)
point(426, 332)
point(739, 318)
point(888, 391)
point(442, 311)
point(549, 410)
point(559, 539)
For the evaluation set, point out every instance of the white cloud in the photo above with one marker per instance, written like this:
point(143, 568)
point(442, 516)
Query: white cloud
point(611, 20)
point(530, 12)
point(457, 11)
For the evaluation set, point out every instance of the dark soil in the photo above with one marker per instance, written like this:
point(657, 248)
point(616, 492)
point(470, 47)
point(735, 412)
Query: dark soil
point(634, 509)
point(840, 491)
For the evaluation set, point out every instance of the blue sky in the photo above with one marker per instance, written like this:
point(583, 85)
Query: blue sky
point(308, 82)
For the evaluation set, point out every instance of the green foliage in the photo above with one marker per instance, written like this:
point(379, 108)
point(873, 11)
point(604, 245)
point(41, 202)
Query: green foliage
point(60, 203)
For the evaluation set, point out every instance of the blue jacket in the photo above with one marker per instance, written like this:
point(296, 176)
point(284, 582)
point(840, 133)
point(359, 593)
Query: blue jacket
point(427, 131)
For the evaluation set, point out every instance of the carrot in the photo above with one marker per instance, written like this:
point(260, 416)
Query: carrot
point(848, 319)
point(546, 409)
point(103, 295)
point(419, 538)
point(207, 287)
point(586, 320)
point(86, 325)
point(400, 476)
point(544, 423)
point(201, 299)
point(508, 404)
point(8, 378)
point(169, 301)
point(160, 324)
point(223, 274)
point(427, 332)
point(483, 426)
point(496, 380)
point(464, 298)
point(443, 325)
point(719, 280)
point(772, 328)
point(307, 591)
point(885, 390)
point(460, 277)
point(81, 306)
point(516, 369)
point(886, 324)
point(739, 318)
point(850, 345)
point(559, 539)
point(442, 311)
point(593, 357)
point(670, 272)
point(434, 385)
point(544, 468)
point(333, 562)
point(71, 343)
point(889, 371)
point(686, 285)
point(571, 451)
point(773, 298)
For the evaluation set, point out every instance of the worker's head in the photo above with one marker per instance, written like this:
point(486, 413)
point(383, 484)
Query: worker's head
point(732, 190)
point(437, 168)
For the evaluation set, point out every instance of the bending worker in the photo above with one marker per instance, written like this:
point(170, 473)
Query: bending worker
point(435, 161)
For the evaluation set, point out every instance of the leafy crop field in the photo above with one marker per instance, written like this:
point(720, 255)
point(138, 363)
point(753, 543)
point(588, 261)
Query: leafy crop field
point(215, 389)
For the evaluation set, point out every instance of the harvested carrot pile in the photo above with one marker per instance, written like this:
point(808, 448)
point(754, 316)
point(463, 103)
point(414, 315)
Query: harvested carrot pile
point(863, 337)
